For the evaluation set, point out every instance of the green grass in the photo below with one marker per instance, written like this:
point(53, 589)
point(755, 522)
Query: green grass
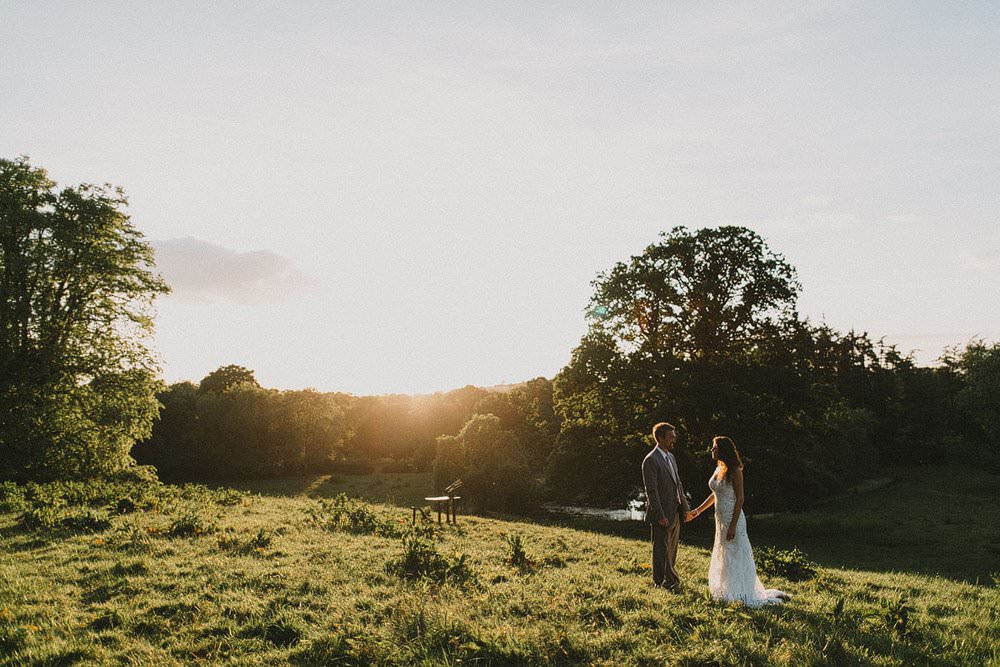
point(401, 489)
point(940, 521)
point(190, 576)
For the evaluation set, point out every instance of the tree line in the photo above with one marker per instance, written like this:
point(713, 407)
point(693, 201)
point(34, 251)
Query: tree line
point(700, 329)
point(229, 427)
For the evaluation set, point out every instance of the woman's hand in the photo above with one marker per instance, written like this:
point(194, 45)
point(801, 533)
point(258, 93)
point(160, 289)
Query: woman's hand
point(731, 533)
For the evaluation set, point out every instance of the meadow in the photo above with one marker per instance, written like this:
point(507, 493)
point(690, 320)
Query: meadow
point(296, 572)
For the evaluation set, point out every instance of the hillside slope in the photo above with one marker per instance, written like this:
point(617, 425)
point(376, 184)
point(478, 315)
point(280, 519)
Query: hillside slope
point(125, 574)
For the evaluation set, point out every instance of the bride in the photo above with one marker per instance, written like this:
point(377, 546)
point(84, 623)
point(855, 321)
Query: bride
point(732, 575)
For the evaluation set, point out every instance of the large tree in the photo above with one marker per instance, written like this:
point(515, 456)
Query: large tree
point(77, 380)
point(701, 329)
point(694, 295)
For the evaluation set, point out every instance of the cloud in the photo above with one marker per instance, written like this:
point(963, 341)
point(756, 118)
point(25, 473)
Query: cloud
point(201, 271)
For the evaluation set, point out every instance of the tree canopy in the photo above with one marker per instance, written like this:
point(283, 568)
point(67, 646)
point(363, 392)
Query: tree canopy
point(77, 379)
point(695, 295)
point(226, 377)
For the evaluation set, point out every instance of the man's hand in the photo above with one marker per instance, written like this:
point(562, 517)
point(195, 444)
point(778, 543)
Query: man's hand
point(689, 516)
point(663, 522)
point(731, 533)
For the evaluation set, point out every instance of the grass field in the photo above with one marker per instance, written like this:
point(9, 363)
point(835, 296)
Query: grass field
point(941, 521)
point(170, 575)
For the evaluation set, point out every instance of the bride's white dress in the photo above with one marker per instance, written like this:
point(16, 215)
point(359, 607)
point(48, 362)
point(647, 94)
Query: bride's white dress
point(732, 575)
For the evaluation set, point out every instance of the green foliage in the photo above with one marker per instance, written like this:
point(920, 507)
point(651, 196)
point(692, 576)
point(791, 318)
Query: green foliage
point(695, 295)
point(896, 613)
point(226, 377)
point(48, 518)
point(792, 564)
point(518, 556)
point(701, 330)
point(77, 382)
point(490, 462)
point(257, 544)
point(344, 514)
point(243, 432)
point(191, 524)
point(12, 497)
point(421, 560)
point(979, 398)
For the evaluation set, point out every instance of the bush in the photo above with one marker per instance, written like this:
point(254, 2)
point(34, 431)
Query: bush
point(48, 517)
point(86, 522)
point(346, 515)
point(792, 565)
point(191, 525)
point(421, 560)
point(12, 497)
point(490, 462)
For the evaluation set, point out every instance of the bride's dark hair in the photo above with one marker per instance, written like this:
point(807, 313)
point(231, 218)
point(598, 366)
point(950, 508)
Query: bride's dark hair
point(728, 455)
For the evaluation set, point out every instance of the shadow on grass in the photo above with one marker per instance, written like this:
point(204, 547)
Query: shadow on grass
point(939, 521)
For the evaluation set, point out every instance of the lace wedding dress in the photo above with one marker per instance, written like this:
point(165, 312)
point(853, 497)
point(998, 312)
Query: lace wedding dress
point(732, 574)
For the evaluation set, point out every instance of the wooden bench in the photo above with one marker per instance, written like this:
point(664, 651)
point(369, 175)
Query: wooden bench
point(448, 503)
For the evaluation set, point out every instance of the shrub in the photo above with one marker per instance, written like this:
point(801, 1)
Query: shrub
point(421, 560)
point(792, 565)
point(85, 522)
point(191, 525)
point(12, 497)
point(40, 517)
point(343, 514)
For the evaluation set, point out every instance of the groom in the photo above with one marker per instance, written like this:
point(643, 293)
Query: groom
point(666, 505)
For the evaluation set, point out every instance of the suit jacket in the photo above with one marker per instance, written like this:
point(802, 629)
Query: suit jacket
point(661, 490)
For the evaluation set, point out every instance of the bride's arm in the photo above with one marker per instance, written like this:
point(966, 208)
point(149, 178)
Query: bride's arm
point(696, 512)
point(736, 479)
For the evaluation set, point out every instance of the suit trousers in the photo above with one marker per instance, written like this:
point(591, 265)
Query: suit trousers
point(665, 539)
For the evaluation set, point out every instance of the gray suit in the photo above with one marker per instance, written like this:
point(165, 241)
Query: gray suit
point(662, 502)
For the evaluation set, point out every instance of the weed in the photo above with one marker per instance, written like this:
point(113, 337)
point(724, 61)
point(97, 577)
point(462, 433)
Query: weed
point(896, 614)
point(421, 560)
point(191, 525)
point(255, 545)
point(517, 555)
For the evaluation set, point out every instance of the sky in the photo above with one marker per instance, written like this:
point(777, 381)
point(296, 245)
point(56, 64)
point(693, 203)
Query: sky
point(411, 197)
